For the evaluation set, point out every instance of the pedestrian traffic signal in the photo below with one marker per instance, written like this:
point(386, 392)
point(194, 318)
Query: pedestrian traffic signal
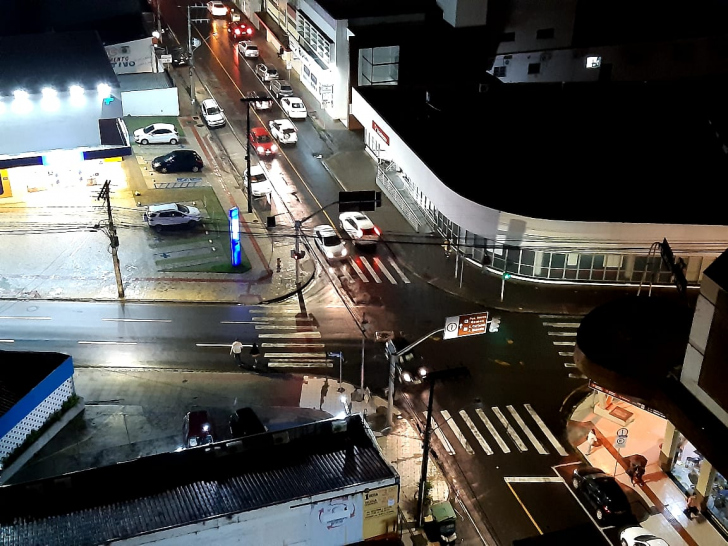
point(494, 324)
point(506, 275)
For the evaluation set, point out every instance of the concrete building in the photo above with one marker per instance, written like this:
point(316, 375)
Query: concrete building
point(659, 368)
point(561, 183)
point(325, 483)
point(60, 113)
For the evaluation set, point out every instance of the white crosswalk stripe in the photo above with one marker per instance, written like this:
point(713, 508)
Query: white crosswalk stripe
point(494, 433)
point(510, 430)
point(399, 271)
point(384, 270)
point(370, 269)
point(547, 432)
point(438, 432)
point(347, 276)
point(458, 433)
point(476, 433)
point(524, 427)
point(294, 341)
point(563, 326)
point(357, 270)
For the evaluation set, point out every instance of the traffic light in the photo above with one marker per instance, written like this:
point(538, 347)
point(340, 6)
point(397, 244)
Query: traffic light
point(494, 324)
point(506, 275)
point(350, 201)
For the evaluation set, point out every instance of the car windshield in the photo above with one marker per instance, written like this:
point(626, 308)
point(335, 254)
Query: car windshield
point(182, 208)
point(368, 231)
point(298, 105)
point(148, 129)
point(289, 131)
point(272, 71)
point(263, 138)
point(213, 110)
point(286, 88)
point(258, 178)
point(332, 240)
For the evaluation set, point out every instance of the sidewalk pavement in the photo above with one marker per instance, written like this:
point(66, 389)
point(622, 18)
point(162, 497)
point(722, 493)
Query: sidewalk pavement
point(665, 502)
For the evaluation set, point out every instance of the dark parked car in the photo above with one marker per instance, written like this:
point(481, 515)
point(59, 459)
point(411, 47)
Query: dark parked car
point(261, 100)
point(197, 429)
point(244, 422)
point(179, 55)
point(178, 161)
point(602, 493)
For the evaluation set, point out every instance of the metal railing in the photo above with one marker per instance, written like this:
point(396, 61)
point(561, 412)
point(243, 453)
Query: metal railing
point(394, 194)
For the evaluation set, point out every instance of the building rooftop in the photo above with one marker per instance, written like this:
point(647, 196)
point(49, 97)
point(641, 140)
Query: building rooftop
point(143, 81)
point(100, 505)
point(583, 151)
point(62, 59)
point(21, 372)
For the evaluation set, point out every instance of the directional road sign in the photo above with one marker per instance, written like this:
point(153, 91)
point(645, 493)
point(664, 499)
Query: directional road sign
point(465, 325)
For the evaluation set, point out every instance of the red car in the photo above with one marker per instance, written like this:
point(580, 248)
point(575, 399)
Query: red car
point(261, 140)
point(239, 31)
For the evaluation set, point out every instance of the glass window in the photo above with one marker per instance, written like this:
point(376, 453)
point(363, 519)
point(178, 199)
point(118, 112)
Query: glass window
point(718, 499)
point(686, 464)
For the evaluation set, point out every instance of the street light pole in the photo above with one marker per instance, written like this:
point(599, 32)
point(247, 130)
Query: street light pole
point(192, 54)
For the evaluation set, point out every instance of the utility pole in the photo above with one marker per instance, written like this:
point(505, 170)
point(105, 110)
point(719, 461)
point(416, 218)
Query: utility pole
point(192, 44)
point(432, 378)
point(247, 102)
point(105, 194)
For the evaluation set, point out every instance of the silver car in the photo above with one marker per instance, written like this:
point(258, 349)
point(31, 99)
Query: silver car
point(172, 214)
point(266, 72)
point(281, 88)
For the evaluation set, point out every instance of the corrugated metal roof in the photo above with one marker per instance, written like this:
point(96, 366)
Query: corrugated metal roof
point(173, 489)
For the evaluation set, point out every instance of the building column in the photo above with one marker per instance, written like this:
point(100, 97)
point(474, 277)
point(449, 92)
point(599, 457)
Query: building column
point(628, 266)
point(669, 447)
point(705, 479)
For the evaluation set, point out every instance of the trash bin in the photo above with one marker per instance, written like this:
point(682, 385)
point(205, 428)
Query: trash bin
point(271, 221)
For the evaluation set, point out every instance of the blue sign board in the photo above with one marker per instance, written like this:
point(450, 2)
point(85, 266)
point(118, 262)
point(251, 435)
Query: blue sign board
point(234, 216)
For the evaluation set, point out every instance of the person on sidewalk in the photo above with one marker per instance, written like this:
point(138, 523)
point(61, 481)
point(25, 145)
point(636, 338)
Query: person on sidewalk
point(692, 511)
point(254, 354)
point(236, 349)
point(592, 441)
point(324, 392)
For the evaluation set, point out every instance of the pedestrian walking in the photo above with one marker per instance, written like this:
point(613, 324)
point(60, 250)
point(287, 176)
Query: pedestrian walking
point(637, 465)
point(324, 391)
point(236, 349)
point(254, 354)
point(692, 506)
point(591, 440)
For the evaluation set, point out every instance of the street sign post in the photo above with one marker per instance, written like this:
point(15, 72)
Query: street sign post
point(465, 325)
point(621, 441)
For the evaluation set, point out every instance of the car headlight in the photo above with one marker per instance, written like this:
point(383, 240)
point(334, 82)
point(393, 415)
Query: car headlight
point(329, 254)
point(260, 149)
point(274, 148)
point(406, 377)
point(343, 252)
point(422, 372)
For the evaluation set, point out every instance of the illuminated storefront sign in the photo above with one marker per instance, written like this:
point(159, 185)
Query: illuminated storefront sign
point(624, 398)
point(234, 216)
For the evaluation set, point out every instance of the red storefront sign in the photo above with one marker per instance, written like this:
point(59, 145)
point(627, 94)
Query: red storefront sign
point(377, 129)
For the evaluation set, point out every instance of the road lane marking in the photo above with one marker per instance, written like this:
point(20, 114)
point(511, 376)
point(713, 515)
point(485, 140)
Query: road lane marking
point(533, 479)
point(492, 430)
point(237, 322)
point(358, 271)
point(284, 345)
point(370, 269)
point(399, 271)
point(440, 436)
point(107, 343)
point(134, 320)
point(569, 343)
point(258, 320)
point(533, 521)
point(384, 270)
point(576, 376)
point(312, 333)
point(509, 429)
point(562, 334)
point(562, 324)
point(300, 364)
point(213, 345)
point(521, 423)
point(554, 442)
point(281, 326)
point(295, 355)
point(569, 365)
point(562, 317)
point(7, 341)
point(25, 318)
point(346, 275)
point(274, 311)
point(566, 353)
point(476, 432)
point(458, 433)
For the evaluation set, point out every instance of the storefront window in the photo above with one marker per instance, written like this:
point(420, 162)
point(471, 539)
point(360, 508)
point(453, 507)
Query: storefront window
point(686, 464)
point(718, 499)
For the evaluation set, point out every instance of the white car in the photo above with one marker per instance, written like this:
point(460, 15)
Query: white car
point(294, 107)
point(639, 536)
point(329, 242)
point(259, 183)
point(248, 49)
point(157, 133)
point(171, 214)
point(212, 113)
point(217, 9)
point(283, 131)
point(359, 227)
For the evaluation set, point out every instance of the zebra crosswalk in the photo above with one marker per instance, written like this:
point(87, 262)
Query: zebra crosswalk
point(287, 339)
point(476, 428)
point(372, 269)
point(562, 329)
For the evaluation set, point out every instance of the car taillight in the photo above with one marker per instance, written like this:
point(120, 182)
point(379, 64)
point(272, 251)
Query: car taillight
point(606, 509)
point(376, 230)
